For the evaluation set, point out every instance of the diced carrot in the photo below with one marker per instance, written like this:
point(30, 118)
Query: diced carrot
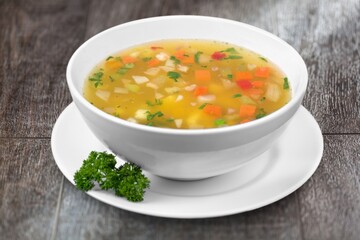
point(200, 90)
point(153, 62)
point(128, 59)
point(112, 64)
point(188, 59)
point(247, 111)
point(243, 76)
point(255, 91)
point(179, 54)
point(202, 76)
point(244, 84)
point(213, 110)
point(258, 84)
point(262, 72)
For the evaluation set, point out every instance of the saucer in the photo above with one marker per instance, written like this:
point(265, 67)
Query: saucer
point(264, 180)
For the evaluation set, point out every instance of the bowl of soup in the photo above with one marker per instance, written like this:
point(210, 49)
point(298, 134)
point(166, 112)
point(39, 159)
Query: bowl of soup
point(187, 97)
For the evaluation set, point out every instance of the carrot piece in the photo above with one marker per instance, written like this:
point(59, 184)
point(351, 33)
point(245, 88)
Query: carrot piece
point(128, 59)
point(188, 59)
point(258, 84)
point(244, 84)
point(262, 72)
point(153, 62)
point(202, 76)
point(247, 111)
point(213, 110)
point(255, 91)
point(111, 64)
point(179, 54)
point(243, 76)
point(200, 90)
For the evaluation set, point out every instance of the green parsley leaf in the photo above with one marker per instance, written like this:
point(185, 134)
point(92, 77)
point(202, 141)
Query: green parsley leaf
point(109, 57)
point(124, 69)
point(286, 83)
point(157, 102)
point(151, 116)
point(146, 59)
point(127, 181)
point(233, 57)
point(230, 76)
point(260, 114)
point(220, 122)
point(176, 61)
point(264, 59)
point(173, 75)
point(203, 105)
point(230, 50)
point(237, 95)
point(97, 78)
point(196, 56)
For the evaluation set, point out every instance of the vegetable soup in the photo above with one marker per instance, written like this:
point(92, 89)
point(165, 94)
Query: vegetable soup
point(187, 84)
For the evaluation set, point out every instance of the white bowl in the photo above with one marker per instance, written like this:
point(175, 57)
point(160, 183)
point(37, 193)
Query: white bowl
point(182, 153)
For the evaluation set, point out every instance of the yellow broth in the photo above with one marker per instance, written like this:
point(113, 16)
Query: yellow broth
point(187, 84)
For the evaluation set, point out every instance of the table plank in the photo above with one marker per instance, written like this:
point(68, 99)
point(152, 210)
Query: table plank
point(37, 39)
point(29, 187)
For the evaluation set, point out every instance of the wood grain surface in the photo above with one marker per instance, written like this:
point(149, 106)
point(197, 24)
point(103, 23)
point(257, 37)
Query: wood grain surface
point(37, 39)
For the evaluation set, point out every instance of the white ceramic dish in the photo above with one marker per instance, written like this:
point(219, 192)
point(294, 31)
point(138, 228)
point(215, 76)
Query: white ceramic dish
point(268, 178)
point(186, 154)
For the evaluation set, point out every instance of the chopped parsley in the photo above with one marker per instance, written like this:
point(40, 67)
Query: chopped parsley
point(260, 114)
point(230, 76)
point(126, 181)
point(124, 69)
point(97, 78)
point(176, 61)
point(203, 105)
point(230, 50)
point(264, 59)
point(174, 75)
point(157, 102)
point(286, 83)
point(151, 116)
point(109, 57)
point(197, 56)
point(232, 57)
point(146, 59)
point(220, 122)
point(237, 95)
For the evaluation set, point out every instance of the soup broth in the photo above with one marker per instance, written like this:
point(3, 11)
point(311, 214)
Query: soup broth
point(187, 84)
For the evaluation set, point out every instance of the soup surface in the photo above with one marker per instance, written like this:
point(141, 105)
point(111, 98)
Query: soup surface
point(187, 84)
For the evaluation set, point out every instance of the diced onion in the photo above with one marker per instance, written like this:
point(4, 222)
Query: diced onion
point(167, 69)
point(170, 63)
point(182, 68)
point(103, 94)
point(158, 95)
point(171, 90)
point(190, 87)
point(214, 69)
point(272, 92)
point(162, 56)
point(132, 120)
point(179, 98)
point(178, 122)
point(251, 66)
point(141, 114)
point(193, 104)
point(230, 111)
point(152, 71)
point(140, 79)
point(132, 87)
point(134, 54)
point(121, 90)
point(152, 85)
point(227, 83)
point(206, 98)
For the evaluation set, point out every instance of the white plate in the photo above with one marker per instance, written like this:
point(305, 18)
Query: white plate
point(268, 178)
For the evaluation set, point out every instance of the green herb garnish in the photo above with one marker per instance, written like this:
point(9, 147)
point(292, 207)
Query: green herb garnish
point(151, 116)
point(220, 122)
point(262, 99)
point(127, 181)
point(197, 56)
point(109, 57)
point(264, 59)
point(230, 76)
point(174, 75)
point(97, 78)
point(260, 114)
point(230, 50)
point(157, 102)
point(124, 69)
point(111, 78)
point(146, 59)
point(232, 57)
point(176, 61)
point(237, 95)
point(286, 83)
point(203, 105)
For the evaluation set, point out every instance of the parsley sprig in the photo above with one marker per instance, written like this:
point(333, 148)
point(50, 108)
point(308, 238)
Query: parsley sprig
point(97, 78)
point(127, 180)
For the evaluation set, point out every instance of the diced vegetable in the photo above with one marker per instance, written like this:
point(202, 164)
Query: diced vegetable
point(152, 85)
point(182, 68)
point(132, 120)
point(286, 83)
point(162, 56)
point(262, 72)
point(244, 84)
point(273, 92)
point(206, 98)
point(153, 62)
point(190, 88)
point(103, 94)
point(251, 66)
point(179, 54)
point(188, 59)
point(200, 90)
point(158, 95)
point(128, 59)
point(243, 76)
point(218, 55)
point(258, 84)
point(247, 111)
point(202, 76)
point(121, 90)
point(170, 63)
point(140, 79)
point(172, 90)
point(141, 114)
point(166, 69)
point(179, 98)
point(178, 122)
point(213, 110)
point(132, 87)
point(227, 83)
point(152, 71)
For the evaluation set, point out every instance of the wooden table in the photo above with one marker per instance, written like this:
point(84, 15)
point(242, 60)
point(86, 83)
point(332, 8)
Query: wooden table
point(37, 39)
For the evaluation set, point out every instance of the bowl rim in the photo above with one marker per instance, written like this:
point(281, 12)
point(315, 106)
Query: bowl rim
point(173, 131)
